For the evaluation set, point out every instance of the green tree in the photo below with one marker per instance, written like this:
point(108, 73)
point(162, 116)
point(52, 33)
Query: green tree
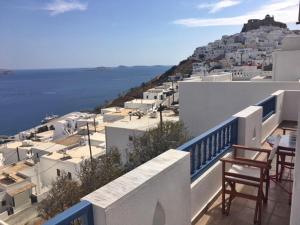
point(155, 141)
point(95, 173)
point(92, 175)
point(100, 171)
point(63, 194)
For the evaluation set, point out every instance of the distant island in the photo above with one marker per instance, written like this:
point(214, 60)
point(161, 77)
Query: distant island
point(125, 67)
point(5, 72)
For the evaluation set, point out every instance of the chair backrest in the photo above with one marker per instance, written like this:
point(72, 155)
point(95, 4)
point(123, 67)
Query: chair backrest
point(274, 148)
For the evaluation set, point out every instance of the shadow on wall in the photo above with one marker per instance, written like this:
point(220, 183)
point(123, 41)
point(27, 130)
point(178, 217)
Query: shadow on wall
point(159, 217)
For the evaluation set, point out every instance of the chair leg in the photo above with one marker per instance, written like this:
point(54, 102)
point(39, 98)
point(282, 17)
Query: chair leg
point(277, 166)
point(259, 212)
point(258, 207)
point(229, 203)
point(282, 167)
point(223, 188)
point(267, 187)
point(223, 201)
point(231, 197)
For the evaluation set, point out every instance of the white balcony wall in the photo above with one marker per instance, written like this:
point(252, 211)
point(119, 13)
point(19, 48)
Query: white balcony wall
point(156, 193)
point(202, 107)
point(250, 127)
point(205, 189)
point(273, 121)
point(295, 216)
point(208, 185)
point(290, 105)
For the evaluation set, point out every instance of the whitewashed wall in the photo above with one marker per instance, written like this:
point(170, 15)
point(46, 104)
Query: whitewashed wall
point(47, 169)
point(273, 121)
point(286, 64)
point(290, 105)
point(156, 193)
point(250, 126)
point(205, 104)
point(119, 138)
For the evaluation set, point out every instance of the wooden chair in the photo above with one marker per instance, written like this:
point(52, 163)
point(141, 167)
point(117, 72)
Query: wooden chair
point(285, 129)
point(248, 172)
point(282, 153)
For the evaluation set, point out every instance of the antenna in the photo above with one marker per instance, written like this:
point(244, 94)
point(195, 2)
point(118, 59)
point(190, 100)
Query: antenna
point(299, 15)
point(89, 141)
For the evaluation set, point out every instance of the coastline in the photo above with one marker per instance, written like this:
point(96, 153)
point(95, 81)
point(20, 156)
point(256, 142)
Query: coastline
point(184, 67)
point(27, 96)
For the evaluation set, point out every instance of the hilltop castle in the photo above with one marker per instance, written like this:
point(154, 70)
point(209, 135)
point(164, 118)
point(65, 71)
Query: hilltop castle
point(267, 21)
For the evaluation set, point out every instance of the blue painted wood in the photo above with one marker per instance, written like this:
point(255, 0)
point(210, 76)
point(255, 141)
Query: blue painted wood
point(269, 107)
point(204, 151)
point(82, 211)
point(212, 145)
point(199, 156)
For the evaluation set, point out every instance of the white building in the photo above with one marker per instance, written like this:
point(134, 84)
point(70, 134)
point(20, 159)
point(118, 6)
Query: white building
point(141, 104)
point(13, 152)
point(120, 134)
point(15, 189)
point(53, 164)
point(286, 65)
point(154, 94)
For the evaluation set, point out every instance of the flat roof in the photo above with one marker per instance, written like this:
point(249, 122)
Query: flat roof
point(26, 185)
point(46, 134)
point(8, 174)
point(120, 111)
point(153, 90)
point(47, 146)
point(42, 146)
point(97, 136)
point(68, 141)
point(11, 144)
point(144, 122)
point(143, 101)
point(76, 154)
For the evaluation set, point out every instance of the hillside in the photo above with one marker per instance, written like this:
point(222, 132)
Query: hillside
point(184, 67)
point(252, 46)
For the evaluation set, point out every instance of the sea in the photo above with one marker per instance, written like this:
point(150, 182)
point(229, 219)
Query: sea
point(27, 96)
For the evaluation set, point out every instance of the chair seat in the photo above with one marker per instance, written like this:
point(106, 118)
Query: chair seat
point(246, 171)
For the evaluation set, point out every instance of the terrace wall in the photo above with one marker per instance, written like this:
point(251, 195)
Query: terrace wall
point(205, 104)
point(156, 193)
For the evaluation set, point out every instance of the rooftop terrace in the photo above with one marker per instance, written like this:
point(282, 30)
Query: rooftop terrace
point(181, 187)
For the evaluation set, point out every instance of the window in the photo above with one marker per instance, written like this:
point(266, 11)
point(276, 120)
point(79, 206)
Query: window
point(130, 138)
point(58, 172)
point(3, 203)
point(155, 97)
point(69, 176)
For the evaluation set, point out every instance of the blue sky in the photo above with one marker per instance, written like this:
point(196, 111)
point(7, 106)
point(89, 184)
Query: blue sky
point(87, 33)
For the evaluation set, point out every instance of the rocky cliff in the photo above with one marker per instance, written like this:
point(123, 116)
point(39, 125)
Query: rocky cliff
point(254, 24)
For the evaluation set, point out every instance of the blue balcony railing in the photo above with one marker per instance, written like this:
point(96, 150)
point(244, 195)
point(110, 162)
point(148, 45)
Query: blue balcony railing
point(210, 146)
point(269, 107)
point(81, 213)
